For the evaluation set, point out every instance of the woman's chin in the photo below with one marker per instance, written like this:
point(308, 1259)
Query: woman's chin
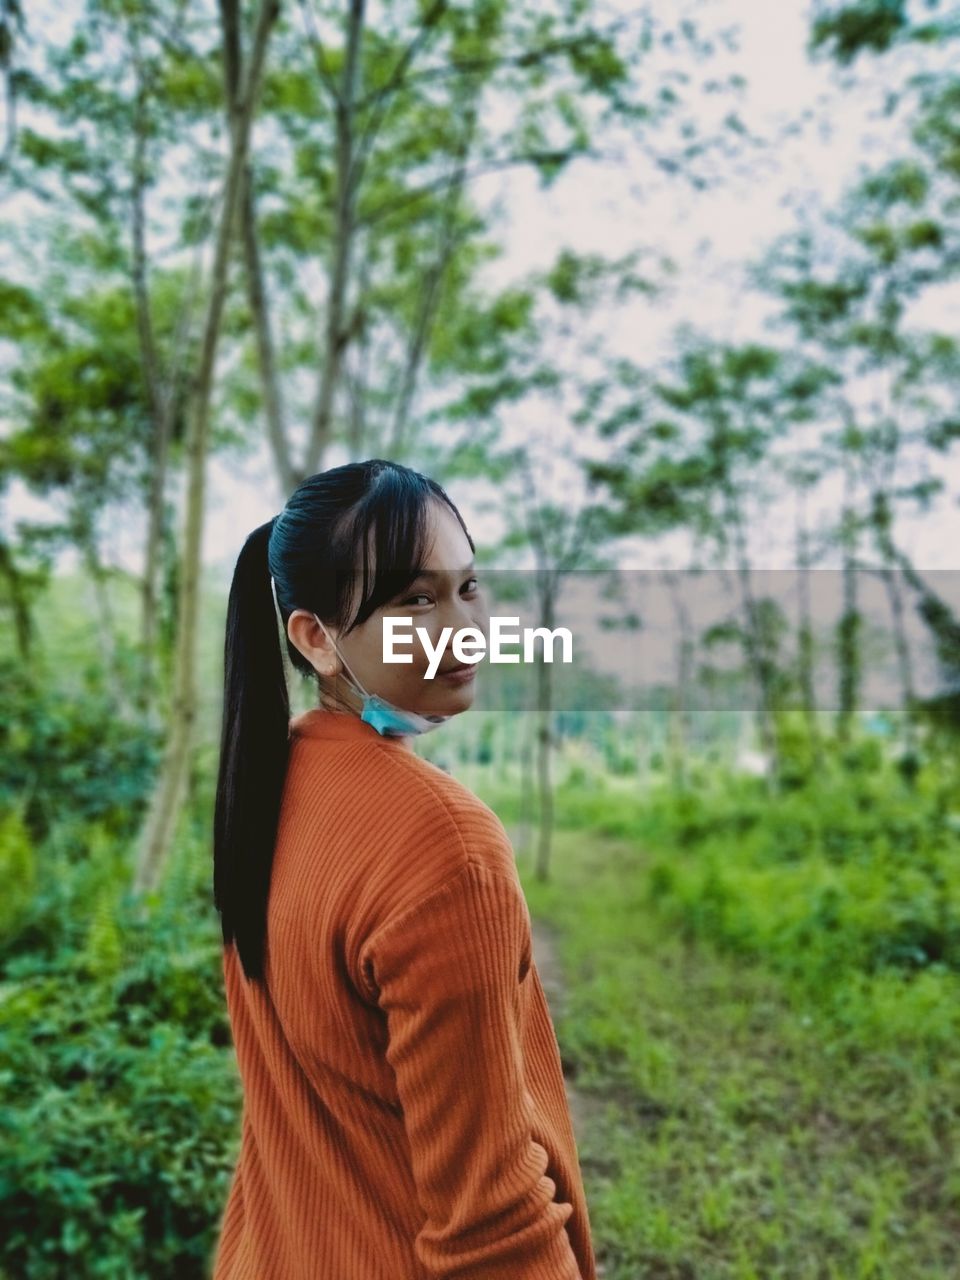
point(456, 698)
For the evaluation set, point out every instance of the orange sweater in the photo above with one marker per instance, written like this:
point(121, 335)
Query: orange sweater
point(404, 1112)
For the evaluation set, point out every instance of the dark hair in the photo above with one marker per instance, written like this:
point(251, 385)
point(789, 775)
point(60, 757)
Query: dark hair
point(316, 549)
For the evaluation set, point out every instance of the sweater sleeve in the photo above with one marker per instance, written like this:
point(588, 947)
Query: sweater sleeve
point(448, 974)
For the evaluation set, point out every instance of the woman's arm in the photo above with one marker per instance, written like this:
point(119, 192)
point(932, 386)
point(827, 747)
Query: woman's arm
point(447, 973)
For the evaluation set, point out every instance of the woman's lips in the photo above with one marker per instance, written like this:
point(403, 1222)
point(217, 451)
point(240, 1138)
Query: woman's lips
point(460, 675)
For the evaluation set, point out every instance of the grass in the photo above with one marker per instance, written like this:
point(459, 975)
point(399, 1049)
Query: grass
point(762, 1013)
point(744, 1123)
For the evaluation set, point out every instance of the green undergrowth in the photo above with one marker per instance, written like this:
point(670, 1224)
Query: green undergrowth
point(762, 1009)
point(119, 1098)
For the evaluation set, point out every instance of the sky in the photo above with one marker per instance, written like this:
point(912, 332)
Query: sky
point(613, 209)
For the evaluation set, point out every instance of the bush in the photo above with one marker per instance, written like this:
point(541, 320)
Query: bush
point(17, 871)
point(852, 873)
point(119, 1096)
point(71, 758)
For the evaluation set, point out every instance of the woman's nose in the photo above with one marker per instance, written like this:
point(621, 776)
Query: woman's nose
point(481, 616)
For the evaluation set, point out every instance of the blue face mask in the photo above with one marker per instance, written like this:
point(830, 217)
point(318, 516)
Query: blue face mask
point(387, 718)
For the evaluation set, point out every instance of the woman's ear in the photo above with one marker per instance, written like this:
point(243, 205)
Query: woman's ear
point(313, 641)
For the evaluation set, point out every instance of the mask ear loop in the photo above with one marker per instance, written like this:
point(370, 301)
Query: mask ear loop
point(284, 655)
point(342, 658)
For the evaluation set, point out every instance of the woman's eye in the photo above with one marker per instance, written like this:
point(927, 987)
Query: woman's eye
point(423, 596)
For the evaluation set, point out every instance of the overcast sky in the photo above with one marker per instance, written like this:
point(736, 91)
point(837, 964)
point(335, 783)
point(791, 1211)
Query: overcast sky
point(709, 234)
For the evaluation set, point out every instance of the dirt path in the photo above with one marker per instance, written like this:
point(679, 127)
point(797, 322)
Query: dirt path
point(548, 967)
point(551, 976)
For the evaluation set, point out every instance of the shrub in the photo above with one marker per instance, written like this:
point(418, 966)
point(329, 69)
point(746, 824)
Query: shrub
point(119, 1096)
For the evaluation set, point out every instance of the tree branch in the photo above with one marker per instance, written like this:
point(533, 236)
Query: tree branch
point(369, 133)
point(323, 67)
point(527, 157)
point(478, 66)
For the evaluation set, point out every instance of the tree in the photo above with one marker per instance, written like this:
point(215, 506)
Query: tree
point(892, 30)
point(541, 361)
point(108, 107)
point(159, 828)
point(846, 292)
point(386, 137)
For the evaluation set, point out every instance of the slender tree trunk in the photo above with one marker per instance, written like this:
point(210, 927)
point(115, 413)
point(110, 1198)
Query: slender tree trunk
point(19, 604)
point(266, 351)
point(937, 615)
point(904, 657)
point(848, 628)
point(106, 631)
point(883, 529)
point(159, 829)
point(11, 23)
point(344, 229)
point(757, 659)
point(881, 516)
point(358, 382)
point(159, 512)
point(160, 427)
point(545, 734)
point(805, 644)
point(545, 742)
point(253, 265)
point(678, 729)
point(526, 815)
point(502, 750)
point(163, 387)
point(544, 745)
point(430, 293)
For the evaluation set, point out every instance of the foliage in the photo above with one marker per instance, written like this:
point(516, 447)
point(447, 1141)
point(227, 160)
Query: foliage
point(734, 1123)
point(852, 871)
point(66, 753)
point(118, 1097)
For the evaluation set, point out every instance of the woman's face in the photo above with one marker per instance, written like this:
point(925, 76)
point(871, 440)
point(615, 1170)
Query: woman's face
point(447, 595)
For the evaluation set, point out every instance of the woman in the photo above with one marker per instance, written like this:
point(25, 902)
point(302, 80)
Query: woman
point(404, 1108)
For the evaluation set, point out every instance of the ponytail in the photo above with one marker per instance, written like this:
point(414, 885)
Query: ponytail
point(308, 557)
point(254, 747)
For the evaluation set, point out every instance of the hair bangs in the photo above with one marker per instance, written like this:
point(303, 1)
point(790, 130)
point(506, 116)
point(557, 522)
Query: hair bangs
point(389, 526)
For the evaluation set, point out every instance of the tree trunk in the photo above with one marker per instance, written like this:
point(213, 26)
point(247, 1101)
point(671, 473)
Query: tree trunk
point(938, 617)
point(163, 389)
point(430, 293)
point(526, 814)
point(344, 230)
point(106, 643)
point(253, 266)
point(757, 659)
point(266, 351)
point(678, 747)
point(156, 476)
point(159, 829)
point(848, 628)
point(805, 645)
point(19, 604)
point(357, 381)
point(882, 523)
point(545, 736)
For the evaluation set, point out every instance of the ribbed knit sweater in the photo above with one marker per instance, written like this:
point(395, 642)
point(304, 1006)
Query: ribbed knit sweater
point(404, 1110)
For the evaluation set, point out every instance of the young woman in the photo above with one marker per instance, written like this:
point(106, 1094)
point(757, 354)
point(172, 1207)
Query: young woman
point(404, 1108)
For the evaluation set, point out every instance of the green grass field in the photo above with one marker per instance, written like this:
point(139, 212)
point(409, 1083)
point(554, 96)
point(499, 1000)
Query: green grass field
point(761, 1013)
point(758, 1106)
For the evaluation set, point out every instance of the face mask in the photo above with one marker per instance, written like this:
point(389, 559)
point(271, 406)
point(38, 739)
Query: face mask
point(387, 718)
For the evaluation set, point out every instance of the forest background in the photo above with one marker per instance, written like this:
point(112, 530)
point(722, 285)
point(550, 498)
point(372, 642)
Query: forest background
point(667, 298)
